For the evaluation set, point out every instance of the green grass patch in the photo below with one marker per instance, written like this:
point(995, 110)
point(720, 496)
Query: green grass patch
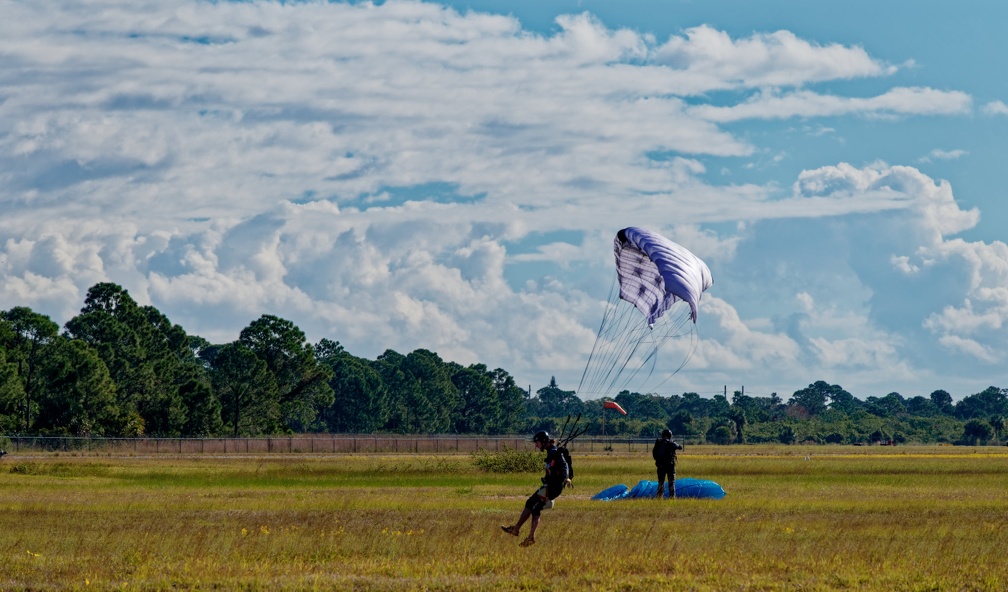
point(845, 519)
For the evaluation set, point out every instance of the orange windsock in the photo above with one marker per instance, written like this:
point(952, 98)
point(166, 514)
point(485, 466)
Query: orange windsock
point(613, 405)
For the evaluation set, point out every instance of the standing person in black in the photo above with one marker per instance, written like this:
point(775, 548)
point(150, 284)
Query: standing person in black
point(664, 453)
point(557, 477)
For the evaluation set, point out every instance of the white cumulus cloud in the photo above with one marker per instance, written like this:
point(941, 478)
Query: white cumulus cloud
point(403, 175)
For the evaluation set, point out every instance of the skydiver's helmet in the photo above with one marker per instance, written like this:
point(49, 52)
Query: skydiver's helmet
point(541, 437)
point(666, 434)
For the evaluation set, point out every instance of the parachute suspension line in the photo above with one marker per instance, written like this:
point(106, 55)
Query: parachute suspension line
point(694, 344)
point(626, 349)
point(673, 328)
point(619, 334)
point(624, 340)
point(615, 336)
point(609, 309)
point(642, 335)
point(621, 339)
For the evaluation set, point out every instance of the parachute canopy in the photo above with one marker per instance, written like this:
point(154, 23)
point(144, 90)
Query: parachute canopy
point(655, 272)
point(685, 487)
point(654, 300)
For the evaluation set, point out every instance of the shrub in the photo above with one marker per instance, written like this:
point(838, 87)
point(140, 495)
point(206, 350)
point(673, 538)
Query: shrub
point(720, 435)
point(508, 460)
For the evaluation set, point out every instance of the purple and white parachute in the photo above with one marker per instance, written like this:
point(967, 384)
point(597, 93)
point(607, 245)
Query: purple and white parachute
point(660, 285)
point(655, 272)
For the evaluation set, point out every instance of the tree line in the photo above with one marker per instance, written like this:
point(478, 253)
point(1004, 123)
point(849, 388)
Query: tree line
point(120, 369)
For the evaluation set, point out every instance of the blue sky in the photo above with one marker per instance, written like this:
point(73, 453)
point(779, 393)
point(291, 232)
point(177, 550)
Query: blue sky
point(450, 176)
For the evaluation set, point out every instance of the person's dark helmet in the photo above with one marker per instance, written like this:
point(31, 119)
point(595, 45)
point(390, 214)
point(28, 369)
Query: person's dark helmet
point(666, 434)
point(541, 436)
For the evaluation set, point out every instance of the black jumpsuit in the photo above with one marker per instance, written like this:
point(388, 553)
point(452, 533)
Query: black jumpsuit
point(664, 453)
point(557, 472)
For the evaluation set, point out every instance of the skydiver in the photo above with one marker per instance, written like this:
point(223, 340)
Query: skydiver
point(557, 477)
point(664, 453)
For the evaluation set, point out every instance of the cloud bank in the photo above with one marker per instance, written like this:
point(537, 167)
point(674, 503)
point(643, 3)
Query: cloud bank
point(403, 175)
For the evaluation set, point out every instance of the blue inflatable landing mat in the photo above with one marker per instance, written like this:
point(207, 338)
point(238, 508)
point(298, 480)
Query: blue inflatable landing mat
point(684, 488)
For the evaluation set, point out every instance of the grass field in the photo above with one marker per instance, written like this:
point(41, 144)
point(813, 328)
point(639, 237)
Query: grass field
point(845, 518)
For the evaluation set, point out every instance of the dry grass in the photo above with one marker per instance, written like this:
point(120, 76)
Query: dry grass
point(845, 519)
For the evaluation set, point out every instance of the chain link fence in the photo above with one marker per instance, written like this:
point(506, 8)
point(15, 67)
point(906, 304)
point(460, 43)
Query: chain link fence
point(318, 444)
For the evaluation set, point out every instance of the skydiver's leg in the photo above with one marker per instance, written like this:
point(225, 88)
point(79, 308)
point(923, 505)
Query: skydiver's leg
point(524, 516)
point(515, 529)
point(661, 482)
point(530, 539)
point(533, 507)
point(530, 506)
point(671, 482)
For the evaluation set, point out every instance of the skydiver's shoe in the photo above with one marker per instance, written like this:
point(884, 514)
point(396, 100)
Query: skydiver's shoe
point(528, 542)
point(511, 530)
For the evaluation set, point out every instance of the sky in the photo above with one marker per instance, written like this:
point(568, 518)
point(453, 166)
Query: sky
point(450, 176)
